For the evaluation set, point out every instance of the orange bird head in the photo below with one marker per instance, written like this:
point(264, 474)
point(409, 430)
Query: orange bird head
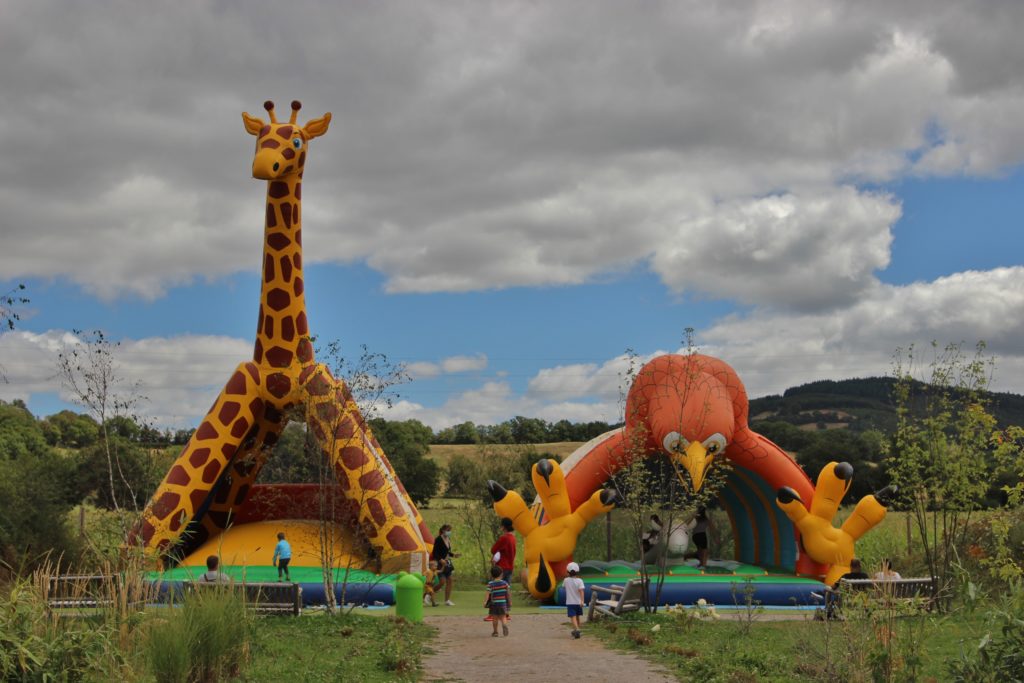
point(678, 407)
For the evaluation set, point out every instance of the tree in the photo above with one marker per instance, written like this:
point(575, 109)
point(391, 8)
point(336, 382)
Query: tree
point(88, 371)
point(20, 434)
point(68, 429)
point(9, 304)
point(942, 461)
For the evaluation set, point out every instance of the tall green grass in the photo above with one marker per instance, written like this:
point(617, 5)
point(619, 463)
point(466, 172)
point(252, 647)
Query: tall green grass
point(205, 640)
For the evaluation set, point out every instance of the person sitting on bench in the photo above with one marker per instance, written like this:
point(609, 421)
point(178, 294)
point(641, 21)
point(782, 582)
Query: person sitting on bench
point(213, 573)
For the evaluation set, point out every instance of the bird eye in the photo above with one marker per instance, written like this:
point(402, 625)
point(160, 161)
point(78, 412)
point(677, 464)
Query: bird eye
point(674, 443)
point(297, 143)
point(714, 444)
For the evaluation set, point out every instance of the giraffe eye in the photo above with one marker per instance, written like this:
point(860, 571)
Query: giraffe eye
point(297, 143)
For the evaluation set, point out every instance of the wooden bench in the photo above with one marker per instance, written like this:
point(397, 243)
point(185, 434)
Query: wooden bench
point(90, 591)
point(262, 598)
point(890, 592)
point(619, 600)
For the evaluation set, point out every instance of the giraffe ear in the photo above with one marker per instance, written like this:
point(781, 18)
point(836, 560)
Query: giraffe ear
point(318, 127)
point(252, 124)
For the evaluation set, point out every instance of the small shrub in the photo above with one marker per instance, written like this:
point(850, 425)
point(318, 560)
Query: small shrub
point(640, 638)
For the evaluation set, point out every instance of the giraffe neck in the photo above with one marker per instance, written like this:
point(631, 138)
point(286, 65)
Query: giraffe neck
point(282, 332)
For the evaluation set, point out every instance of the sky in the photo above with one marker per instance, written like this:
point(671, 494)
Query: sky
point(514, 198)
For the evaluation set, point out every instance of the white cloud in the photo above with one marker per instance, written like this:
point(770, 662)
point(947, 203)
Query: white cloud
point(179, 376)
point(496, 144)
point(451, 365)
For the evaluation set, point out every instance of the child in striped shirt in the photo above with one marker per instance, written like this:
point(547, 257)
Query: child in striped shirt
point(499, 599)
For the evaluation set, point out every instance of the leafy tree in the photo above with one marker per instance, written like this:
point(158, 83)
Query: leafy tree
point(35, 490)
point(941, 460)
point(68, 429)
point(139, 474)
point(290, 461)
point(465, 433)
point(528, 430)
point(20, 433)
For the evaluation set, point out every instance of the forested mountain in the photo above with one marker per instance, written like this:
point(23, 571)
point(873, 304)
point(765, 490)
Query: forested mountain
point(859, 404)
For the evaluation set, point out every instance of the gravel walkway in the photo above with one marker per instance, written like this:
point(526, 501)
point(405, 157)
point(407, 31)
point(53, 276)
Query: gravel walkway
point(538, 649)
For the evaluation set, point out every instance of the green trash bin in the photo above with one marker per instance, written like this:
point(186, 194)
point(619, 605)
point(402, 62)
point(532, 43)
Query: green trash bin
point(409, 596)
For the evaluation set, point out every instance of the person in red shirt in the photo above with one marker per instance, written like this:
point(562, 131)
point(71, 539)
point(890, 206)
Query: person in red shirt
point(505, 550)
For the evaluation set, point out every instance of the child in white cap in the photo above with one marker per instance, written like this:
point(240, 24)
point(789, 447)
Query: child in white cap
point(574, 589)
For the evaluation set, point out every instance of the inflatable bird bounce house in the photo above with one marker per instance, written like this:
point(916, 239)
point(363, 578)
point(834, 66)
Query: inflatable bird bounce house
point(690, 409)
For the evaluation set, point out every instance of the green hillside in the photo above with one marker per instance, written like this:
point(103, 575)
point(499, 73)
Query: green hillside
point(858, 404)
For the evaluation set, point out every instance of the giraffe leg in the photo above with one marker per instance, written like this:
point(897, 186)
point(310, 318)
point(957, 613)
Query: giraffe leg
point(387, 516)
point(184, 495)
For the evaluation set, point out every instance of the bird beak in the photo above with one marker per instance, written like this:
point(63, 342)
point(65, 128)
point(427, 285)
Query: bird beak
point(696, 461)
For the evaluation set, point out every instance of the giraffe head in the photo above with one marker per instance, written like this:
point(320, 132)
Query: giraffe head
point(281, 147)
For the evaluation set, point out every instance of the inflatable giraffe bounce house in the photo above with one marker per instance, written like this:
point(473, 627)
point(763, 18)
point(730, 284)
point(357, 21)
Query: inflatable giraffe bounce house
point(208, 502)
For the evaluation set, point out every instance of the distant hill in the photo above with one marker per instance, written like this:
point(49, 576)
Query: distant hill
point(857, 404)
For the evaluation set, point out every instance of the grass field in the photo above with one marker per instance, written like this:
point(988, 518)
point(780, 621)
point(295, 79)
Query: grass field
point(442, 453)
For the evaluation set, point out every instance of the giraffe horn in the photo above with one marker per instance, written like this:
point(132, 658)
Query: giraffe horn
point(269, 106)
point(296, 106)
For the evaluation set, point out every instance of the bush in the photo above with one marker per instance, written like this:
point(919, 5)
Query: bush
point(999, 655)
point(37, 646)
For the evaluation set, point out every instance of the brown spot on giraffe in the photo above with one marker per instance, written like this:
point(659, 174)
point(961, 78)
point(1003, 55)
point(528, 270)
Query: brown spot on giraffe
point(297, 260)
point(288, 154)
point(298, 287)
point(298, 190)
point(270, 143)
point(318, 385)
point(287, 329)
point(167, 504)
point(198, 497)
point(377, 511)
point(279, 384)
point(279, 357)
point(301, 325)
point(264, 130)
point(396, 505)
point(400, 540)
point(271, 216)
point(228, 412)
point(278, 189)
point(268, 326)
point(353, 457)
point(268, 269)
point(328, 412)
point(206, 431)
point(372, 481)
point(240, 428)
point(346, 428)
point(253, 371)
point(257, 353)
point(278, 299)
point(199, 457)
point(210, 473)
point(286, 216)
point(285, 131)
point(286, 268)
point(304, 351)
point(236, 385)
point(278, 240)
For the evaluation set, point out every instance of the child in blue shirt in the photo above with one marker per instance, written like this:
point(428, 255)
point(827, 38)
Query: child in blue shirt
point(282, 556)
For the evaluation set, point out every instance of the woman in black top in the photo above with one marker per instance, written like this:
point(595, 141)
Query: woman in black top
point(443, 554)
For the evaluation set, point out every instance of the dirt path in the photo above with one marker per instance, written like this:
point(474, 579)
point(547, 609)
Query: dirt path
point(539, 649)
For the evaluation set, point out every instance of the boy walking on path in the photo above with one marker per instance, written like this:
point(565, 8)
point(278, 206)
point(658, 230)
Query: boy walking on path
point(574, 590)
point(499, 599)
point(282, 556)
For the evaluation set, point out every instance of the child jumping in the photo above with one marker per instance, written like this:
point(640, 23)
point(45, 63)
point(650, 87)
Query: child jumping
point(574, 589)
point(499, 599)
point(282, 556)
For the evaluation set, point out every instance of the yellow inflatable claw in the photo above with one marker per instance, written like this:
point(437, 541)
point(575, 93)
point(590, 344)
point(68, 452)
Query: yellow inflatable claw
point(823, 542)
point(554, 541)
